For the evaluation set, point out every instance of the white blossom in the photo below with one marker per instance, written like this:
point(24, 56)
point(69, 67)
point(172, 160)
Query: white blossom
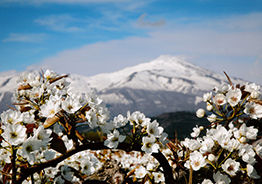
point(119, 121)
point(149, 145)
point(28, 118)
point(253, 109)
point(253, 89)
point(11, 116)
point(231, 167)
point(251, 172)
point(158, 177)
point(50, 74)
point(233, 96)
point(71, 105)
point(67, 172)
point(87, 167)
point(196, 161)
point(196, 131)
point(248, 132)
point(212, 118)
point(207, 96)
point(14, 134)
point(113, 139)
point(154, 130)
point(30, 147)
point(221, 178)
point(207, 181)
point(206, 145)
point(258, 149)
point(49, 109)
point(219, 99)
point(138, 118)
point(36, 92)
point(209, 106)
point(43, 135)
point(5, 157)
point(140, 172)
point(192, 144)
point(222, 88)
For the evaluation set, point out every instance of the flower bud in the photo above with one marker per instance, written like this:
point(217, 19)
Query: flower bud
point(240, 121)
point(209, 107)
point(212, 118)
point(231, 125)
point(211, 157)
point(243, 139)
point(200, 113)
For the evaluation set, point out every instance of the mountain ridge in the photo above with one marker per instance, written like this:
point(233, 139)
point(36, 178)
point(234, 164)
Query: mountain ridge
point(162, 85)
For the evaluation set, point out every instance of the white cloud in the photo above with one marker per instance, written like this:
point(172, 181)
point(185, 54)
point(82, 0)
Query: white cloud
point(20, 37)
point(63, 23)
point(247, 22)
point(38, 2)
point(213, 47)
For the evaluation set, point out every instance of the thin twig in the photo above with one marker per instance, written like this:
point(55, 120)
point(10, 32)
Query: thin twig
point(229, 80)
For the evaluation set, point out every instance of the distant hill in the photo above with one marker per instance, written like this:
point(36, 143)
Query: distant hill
point(182, 122)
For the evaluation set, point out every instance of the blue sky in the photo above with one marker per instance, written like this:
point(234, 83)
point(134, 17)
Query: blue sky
point(96, 36)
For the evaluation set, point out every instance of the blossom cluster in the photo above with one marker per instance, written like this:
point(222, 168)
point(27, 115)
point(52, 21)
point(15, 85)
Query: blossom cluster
point(229, 98)
point(238, 155)
point(40, 136)
point(150, 133)
point(43, 129)
point(137, 165)
point(31, 135)
point(229, 147)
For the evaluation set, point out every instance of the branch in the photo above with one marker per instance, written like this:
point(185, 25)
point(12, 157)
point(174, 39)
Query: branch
point(14, 169)
point(95, 146)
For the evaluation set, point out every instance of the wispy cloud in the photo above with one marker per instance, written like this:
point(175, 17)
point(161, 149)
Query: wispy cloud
point(38, 2)
point(143, 22)
point(20, 37)
point(240, 23)
point(63, 23)
point(107, 20)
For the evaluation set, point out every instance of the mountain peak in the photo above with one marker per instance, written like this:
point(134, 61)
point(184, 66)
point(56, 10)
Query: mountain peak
point(166, 63)
point(168, 59)
point(163, 62)
point(175, 63)
point(166, 84)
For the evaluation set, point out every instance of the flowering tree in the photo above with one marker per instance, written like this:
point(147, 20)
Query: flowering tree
point(40, 142)
point(230, 149)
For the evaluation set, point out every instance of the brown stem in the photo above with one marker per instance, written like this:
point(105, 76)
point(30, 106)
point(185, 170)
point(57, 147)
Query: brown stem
point(56, 79)
point(95, 146)
point(13, 165)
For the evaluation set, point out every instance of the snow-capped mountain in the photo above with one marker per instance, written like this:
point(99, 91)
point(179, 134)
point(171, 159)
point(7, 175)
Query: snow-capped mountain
point(166, 84)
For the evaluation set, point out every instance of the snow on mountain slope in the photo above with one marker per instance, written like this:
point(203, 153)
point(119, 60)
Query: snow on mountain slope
point(165, 72)
point(167, 64)
point(165, 84)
